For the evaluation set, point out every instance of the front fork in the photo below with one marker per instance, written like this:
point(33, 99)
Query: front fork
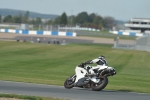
point(73, 78)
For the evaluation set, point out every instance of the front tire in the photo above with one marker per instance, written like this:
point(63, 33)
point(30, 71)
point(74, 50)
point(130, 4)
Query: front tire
point(101, 85)
point(69, 83)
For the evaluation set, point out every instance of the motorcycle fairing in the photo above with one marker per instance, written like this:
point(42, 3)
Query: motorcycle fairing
point(82, 81)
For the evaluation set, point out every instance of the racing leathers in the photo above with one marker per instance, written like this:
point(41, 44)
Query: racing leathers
point(81, 70)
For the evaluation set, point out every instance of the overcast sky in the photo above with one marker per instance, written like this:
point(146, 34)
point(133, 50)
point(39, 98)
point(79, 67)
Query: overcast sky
point(119, 9)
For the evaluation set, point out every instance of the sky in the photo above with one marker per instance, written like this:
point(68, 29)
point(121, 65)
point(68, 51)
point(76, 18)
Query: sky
point(119, 9)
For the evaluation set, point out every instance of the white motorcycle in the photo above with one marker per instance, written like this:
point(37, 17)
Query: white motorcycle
point(97, 82)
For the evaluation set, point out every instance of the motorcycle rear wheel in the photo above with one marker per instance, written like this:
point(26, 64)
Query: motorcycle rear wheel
point(101, 85)
point(68, 84)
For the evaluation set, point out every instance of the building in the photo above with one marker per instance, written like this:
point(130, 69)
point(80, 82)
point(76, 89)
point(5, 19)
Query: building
point(139, 25)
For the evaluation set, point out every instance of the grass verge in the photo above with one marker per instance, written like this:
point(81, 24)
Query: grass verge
point(52, 64)
point(105, 34)
point(24, 97)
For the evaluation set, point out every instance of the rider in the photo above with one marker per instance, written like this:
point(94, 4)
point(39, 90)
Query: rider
point(81, 70)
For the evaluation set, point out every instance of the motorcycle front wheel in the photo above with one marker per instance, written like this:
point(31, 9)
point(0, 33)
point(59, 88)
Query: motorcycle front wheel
point(101, 85)
point(69, 82)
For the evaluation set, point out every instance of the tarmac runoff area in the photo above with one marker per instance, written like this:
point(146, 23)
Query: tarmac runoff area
point(61, 39)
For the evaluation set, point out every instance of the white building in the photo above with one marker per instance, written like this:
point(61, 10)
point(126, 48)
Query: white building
point(139, 25)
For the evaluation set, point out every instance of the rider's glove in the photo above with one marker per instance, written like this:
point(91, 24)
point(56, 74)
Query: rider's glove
point(82, 65)
point(89, 62)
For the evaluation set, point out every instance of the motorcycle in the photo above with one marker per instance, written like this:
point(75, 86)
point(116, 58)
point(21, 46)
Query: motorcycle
point(97, 82)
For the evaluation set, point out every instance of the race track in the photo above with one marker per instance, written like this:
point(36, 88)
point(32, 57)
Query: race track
point(46, 38)
point(61, 92)
point(58, 91)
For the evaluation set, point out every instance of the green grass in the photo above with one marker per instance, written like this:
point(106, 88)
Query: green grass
point(106, 34)
point(24, 97)
point(52, 64)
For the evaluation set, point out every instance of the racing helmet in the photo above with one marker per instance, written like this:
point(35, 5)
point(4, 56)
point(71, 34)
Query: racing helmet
point(102, 58)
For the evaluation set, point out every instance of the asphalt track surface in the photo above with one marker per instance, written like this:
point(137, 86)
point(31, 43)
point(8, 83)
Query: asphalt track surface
point(61, 92)
point(61, 39)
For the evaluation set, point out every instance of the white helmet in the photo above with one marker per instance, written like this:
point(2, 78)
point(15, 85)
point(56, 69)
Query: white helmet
point(102, 58)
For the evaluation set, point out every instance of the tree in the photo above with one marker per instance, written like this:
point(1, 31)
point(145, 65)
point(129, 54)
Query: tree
point(57, 20)
point(82, 17)
point(51, 22)
point(26, 17)
point(7, 18)
point(32, 22)
point(63, 19)
point(109, 22)
point(98, 21)
point(92, 16)
point(16, 19)
point(38, 21)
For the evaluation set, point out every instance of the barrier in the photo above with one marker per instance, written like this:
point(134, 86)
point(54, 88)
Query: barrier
point(127, 33)
point(39, 32)
point(79, 28)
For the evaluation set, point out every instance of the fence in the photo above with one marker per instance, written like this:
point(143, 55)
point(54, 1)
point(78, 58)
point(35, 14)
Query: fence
point(126, 44)
point(141, 43)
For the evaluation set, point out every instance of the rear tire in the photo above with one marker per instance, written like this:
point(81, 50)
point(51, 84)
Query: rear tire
point(101, 85)
point(68, 84)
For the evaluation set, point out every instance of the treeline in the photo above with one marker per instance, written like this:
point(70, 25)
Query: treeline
point(21, 19)
point(83, 19)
